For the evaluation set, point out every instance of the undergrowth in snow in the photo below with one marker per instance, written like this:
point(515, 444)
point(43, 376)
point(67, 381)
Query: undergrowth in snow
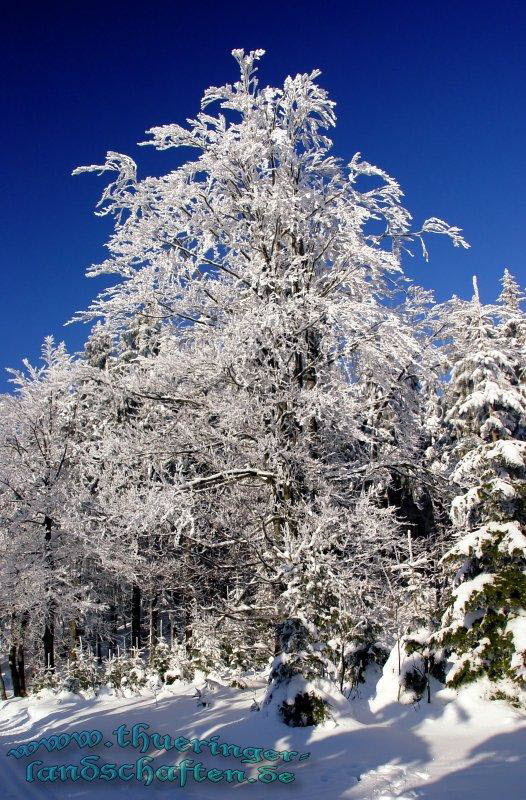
point(462, 745)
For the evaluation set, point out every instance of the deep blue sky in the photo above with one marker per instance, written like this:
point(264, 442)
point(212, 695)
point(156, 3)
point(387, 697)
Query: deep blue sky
point(432, 92)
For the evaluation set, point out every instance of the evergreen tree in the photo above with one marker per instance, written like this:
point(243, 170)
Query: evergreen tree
point(486, 417)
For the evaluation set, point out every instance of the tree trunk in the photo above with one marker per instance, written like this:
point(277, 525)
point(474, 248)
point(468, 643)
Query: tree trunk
point(13, 668)
point(20, 660)
point(73, 636)
point(49, 646)
point(136, 616)
point(154, 620)
point(291, 636)
point(49, 630)
point(98, 646)
point(21, 668)
point(342, 667)
point(3, 693)
point(113, 628)
point(188, 619)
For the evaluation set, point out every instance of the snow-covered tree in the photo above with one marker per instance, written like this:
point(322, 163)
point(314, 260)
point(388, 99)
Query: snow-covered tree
point(39, 578)
point(485, 417)
point(274, 272)
point(513, 322)
point(122, 463)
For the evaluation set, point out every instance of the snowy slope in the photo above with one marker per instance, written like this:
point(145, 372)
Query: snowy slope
point(460, 747)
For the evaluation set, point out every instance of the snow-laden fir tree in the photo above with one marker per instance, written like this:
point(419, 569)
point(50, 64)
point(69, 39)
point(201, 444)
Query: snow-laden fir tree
point(277, 270)
point(484, 625)
point(513, 323)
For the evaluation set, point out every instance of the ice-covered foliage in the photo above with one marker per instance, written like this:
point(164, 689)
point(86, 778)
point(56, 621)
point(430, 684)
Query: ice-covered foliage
point(274, 272)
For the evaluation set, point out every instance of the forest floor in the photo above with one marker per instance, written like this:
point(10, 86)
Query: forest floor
point(459, 747)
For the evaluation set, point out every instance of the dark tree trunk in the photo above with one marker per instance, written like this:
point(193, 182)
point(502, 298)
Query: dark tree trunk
point(13, 668)
point(16, 655)
point(113, 628)
point(49, 630)
point(98, 646)
point(73, 636)
point(20, 660)
point(136, 616)
point(154, 620)
point(49, 646)
point(188, 619)
point(3, 693)
point(21, 669)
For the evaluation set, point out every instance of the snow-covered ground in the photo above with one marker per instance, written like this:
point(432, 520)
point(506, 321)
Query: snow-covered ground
point(461, 747)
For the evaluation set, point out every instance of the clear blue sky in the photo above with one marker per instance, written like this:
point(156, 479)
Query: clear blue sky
point(432, 92)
